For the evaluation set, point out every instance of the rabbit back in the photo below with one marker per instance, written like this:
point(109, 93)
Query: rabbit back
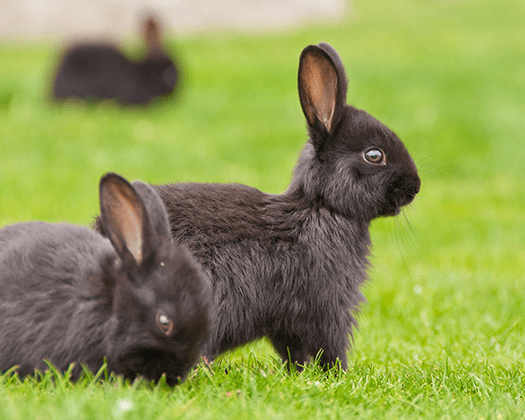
point(46, 305)
point(92, 71)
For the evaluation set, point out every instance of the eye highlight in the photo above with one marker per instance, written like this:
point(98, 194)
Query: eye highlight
point(164, 323)
point(374, 156)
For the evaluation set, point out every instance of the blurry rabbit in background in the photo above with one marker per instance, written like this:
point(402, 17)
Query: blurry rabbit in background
point(100, 71)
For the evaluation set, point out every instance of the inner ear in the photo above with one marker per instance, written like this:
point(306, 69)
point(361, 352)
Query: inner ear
point(318, 88)
point(152, 35)
point(123, 217)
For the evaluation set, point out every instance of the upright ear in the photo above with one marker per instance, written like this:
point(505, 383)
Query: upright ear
point(152, 35)
point(322, 87)
point(124, 217)
point(157, 214)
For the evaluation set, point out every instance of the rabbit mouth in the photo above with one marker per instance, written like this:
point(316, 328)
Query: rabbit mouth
point(400, 195)
point(393, 206)
point(390, 210)
point(152, 364)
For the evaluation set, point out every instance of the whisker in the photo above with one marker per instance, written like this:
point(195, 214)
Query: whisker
point(414, 213)
point(414, 235)
point(381, 112)
point(400, 245)
point(425, 166)
point(431, 167)
point(409, 239)
point(431, 155)
point(391, 117)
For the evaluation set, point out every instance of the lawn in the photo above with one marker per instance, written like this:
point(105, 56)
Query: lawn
point(442, 334)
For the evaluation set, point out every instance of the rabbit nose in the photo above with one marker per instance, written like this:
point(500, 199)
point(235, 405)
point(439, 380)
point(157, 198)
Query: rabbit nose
point(412, 192)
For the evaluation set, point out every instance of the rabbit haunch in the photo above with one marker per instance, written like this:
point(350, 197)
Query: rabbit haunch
point(290, 266)
point(71, 296)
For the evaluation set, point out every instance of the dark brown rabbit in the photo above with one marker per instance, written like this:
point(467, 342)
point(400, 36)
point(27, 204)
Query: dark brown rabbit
point(290, 266)
point(68, 295)
point(101, 71)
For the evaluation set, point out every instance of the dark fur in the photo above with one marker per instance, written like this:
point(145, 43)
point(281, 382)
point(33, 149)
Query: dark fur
point(101, 71)
point(290, 266)
point(68, 295)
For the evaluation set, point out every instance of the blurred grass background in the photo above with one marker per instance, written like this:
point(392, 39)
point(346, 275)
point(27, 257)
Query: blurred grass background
point(447, 76)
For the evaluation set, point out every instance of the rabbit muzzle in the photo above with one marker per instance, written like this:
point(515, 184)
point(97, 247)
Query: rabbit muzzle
point(401, 194)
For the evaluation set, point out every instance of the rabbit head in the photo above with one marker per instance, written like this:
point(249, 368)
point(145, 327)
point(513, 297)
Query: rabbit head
point(157, 68)
point(159, 296)
point(159, 75)
point(353, 164)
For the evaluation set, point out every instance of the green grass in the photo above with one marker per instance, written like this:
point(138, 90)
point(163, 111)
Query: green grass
point(442, 334)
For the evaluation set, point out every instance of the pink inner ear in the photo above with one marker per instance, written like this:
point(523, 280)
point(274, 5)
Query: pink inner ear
point(130, 226)
point(320, 84)
point(152, 35)
point(124, 216)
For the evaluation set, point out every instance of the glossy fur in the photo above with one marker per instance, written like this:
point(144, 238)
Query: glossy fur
point(290, 266)
point(101, 71)
point(71, 296)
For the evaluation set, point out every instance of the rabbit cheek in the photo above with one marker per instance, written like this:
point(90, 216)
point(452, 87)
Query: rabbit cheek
point(169, 77)
point(122, 299)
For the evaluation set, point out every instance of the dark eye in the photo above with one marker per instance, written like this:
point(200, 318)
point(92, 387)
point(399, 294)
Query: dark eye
point(375, 156)
point(164, 323)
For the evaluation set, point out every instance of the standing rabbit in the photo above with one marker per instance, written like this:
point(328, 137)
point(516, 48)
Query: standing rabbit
point(101, 71)
point(71, 296)
point(290, 266)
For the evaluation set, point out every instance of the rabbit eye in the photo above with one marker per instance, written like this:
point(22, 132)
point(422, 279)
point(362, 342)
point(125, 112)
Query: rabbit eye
point(375, 156)
point(164, 323)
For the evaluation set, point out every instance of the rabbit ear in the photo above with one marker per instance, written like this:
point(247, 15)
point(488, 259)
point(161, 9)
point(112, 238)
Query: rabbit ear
point(124, 217)
point(158, 216)
point(152, 35)
point(322, 87)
